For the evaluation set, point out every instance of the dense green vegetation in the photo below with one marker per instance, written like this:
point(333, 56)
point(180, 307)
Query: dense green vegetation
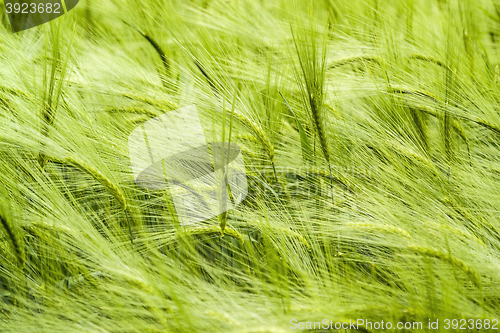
point(370, 132)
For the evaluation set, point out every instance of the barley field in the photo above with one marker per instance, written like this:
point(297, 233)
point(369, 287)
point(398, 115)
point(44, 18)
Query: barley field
point(370, 136)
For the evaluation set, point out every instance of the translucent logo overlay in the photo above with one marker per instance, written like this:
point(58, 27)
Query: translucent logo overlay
point(171, 152)
point(26, 14)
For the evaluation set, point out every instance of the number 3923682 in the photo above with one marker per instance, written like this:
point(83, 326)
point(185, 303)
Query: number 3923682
point(32, 8)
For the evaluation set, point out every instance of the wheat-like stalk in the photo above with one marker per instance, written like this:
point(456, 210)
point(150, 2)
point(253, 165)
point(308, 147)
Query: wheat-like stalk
point(420, 93)
point(319, 126)
point(133, 110)
point(409, 91)
point(430, 252)
point(485, 124)
point(14, 92)
point(54, 78)
point(380, 228)
point(313, 68)
point(259, 133)
point(16, 242)
point(249, 124)
point(276, 230)
point(211, 231)
point(461, 132)
point(250, 138)
point(112, 188)
point(104, 181)
point(451, 121)
point(438, 228)
point(7, 104)
point(428, 59)
point(420, 121)
point(409, 154)
point(412, 155)
point(357, 59)
point(156, 46)
point(158, 50)
point(139, 119)
point(455, 124)
point(50, 227)
point(294, 234)
point(445, 120)
point(328, 174)
point(464, 214)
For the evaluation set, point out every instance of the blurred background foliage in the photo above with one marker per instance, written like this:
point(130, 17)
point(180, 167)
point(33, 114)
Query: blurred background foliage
point(373, 179)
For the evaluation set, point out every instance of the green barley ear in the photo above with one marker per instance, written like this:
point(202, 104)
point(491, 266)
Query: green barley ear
point(222, 217)
point(450, 95)
point(446, 121)
point(382, 228)
point(420, 119)
point(108, 184)
point(277, 231)
point(311, 75)
point(426, 58)
point(363, 59)
point(211, 83)
point(211, 231)
point(157, 48)
point(442, 108)
point(134, 110)
point(54, 79)
point(243, 120)
point(463, 135)
point(223, 188)
point(304, 140)
point(16, 240)
point(445, 117)
point(312, 68)
point(260, 134)
point(430, 252)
